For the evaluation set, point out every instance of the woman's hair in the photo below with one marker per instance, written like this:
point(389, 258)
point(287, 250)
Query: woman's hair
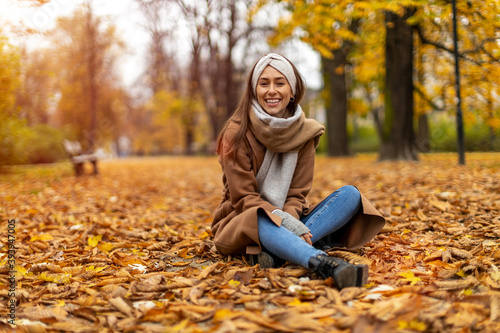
point(241, 114)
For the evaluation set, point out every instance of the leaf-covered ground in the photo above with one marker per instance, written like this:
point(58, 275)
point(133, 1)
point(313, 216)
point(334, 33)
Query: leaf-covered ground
point(130, 251)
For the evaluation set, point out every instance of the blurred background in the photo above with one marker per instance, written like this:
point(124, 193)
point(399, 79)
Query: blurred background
point(144, 77)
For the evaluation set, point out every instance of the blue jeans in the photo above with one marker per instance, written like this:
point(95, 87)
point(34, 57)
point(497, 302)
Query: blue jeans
point(330, 215)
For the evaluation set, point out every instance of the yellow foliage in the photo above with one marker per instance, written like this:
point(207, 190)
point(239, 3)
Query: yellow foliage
point(56, 278)
point(410, 277)
point(234, 283)
point(225, 314)
point(42, 237)
point(414, 325)
point(21, 271)
point(95, 269)
point(9, 75)
point(105, 247)
point(94, 240)
point(327, 25)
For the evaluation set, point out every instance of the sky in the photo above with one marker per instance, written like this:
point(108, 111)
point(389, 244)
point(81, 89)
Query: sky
point(128, 19)
point(123, 13)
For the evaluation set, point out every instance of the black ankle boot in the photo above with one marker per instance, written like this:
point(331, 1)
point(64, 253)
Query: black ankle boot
point(266, 260)
point(343, 274)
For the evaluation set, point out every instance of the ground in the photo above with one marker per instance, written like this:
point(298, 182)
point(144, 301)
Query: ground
point(131, 250)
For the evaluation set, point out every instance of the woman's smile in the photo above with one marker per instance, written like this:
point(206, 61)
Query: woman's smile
point(273, 102)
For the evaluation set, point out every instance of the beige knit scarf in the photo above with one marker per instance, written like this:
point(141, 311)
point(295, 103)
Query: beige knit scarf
point(283, 138)
point(283, 134)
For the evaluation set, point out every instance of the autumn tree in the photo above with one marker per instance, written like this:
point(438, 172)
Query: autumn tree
point(398, 138)
point(479, 59)
point(397, 22)
point(217, 30)
point(173, 108)
point(36, 94)
point(203, 91)
point(330, 28)
point(230, 30)
point(86, 51)
point(156, 126)
point(11, 128)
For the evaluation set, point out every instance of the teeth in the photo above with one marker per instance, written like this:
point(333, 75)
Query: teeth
point(273, 100)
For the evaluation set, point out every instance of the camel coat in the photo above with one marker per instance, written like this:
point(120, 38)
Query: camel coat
point(235, 226)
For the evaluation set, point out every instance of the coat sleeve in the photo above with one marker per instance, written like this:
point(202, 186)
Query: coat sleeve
point(241, 181)
point(302, 181)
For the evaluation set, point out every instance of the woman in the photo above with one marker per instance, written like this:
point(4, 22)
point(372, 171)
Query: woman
point(267, 150)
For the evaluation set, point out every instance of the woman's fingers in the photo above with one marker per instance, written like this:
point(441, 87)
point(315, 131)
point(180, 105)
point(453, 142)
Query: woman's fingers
point(307, 238)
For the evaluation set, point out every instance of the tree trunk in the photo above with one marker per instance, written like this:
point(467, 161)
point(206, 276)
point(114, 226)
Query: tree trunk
point(189, 141)
point(423, 134)
point(398, 139)
point(231, 99)
point(336, 103)
point(92, 79)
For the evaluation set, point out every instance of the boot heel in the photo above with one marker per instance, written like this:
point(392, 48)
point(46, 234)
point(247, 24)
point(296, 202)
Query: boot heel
point(361, 275)
point(345, 276)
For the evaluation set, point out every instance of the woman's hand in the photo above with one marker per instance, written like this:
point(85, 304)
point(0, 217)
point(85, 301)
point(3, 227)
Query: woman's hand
point(307, 238)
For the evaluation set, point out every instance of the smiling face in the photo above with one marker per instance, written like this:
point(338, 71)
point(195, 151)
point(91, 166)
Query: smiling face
point(273, 92)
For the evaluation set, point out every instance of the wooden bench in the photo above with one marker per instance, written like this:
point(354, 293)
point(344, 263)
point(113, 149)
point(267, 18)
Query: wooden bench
point(78, 157)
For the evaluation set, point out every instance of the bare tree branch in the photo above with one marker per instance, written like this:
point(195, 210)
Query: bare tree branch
point(462, 54)
point(427, 99)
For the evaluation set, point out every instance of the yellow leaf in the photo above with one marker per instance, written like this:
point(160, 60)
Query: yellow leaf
point(171, 231)
point(92, 268)
point(295, 302)
point(414, 325)
point(21, 270)
point(468, 292)
point(62, 278)
point(410, 277)
point(306, 306)
point(43, 276)
point(204, 235)
point(224, 314)
point(105, 247)
point(234, 283)
point(179, 327)
point(32, 212)
point(57, 278)
point(42, 237)
point(461, 273)
point(94, 240)
point(159, 304)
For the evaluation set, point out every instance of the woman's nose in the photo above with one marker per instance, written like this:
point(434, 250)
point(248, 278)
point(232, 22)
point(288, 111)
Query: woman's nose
point(272, 88)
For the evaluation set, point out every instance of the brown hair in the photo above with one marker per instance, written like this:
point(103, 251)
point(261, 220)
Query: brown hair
point(241, 114)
